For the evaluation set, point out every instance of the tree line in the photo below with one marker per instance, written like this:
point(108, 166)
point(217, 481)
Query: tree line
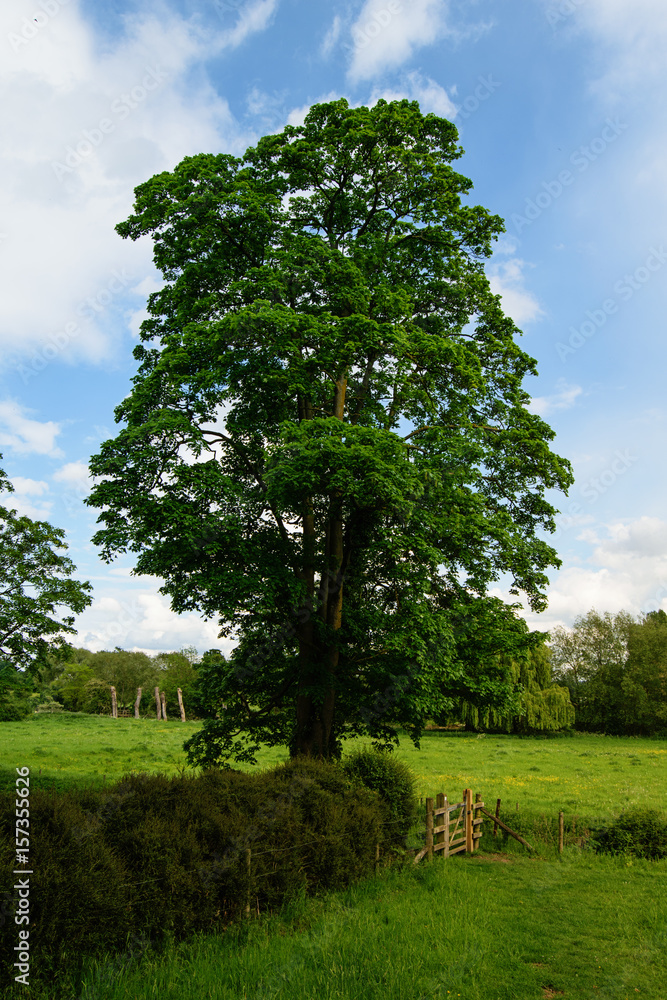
point(81, 682)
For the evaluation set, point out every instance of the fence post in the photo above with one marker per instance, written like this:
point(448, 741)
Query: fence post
point(478, 815)
point(467, 799)
point(560, 831)
point(248, 863)
point(429, 829)
point(114, 703)
point(439, 803)
point(495, 825)
point(446, 821)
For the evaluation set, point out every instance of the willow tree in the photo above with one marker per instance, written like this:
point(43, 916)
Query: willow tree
point(541, 705)
point(327, 446)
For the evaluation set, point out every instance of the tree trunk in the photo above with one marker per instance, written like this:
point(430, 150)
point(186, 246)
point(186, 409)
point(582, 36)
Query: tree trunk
point(158, 706)
point(114, 703)
point(163, 703)
point(180, 704)
point(315, 714)
point(136, 704)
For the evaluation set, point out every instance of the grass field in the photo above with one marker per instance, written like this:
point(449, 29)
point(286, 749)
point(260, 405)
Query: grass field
point(500, 925)
point(593, 777)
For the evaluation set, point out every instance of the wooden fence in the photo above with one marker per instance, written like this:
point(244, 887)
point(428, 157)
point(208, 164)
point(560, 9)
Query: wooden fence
point(460, 828)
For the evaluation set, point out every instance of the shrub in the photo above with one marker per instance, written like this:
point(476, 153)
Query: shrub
point(160, 857)
point(394, 782)
point(638, 831)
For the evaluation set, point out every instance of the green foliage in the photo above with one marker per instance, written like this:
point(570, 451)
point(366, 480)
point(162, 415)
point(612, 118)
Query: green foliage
point(639, 831)
point(615, 667)
point(328, 288)
point(392, 779)
point(156, 857)
point(540, 705)
point(16, 689)
point(35, 585)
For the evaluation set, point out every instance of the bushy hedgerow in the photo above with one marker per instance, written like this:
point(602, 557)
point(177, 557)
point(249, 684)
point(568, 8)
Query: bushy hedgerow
point(384, 773)
point(638, 831)
point(154, 856)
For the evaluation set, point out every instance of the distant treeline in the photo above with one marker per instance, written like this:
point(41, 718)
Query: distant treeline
point(608, 674)
point(82, 683)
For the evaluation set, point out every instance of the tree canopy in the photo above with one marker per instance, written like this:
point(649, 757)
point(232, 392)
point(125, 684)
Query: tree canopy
point(35, 586)
point(327, 446)
point(615, 667)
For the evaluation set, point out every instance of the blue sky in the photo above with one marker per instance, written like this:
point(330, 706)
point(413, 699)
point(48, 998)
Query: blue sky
point(560, 106)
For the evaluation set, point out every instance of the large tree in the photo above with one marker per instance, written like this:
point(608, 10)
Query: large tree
point(327, 445)
point(35, 588)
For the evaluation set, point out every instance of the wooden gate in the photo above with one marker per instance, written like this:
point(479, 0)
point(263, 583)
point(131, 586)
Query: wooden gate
point(458, 829)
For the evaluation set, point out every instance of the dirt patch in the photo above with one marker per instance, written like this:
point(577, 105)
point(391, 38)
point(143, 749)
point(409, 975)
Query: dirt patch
point(550, 991)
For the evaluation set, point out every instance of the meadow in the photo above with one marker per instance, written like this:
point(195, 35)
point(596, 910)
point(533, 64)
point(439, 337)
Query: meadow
point(500, 925)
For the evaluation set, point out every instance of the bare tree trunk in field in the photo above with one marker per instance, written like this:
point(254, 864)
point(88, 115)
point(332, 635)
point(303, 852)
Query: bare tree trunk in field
point(180, 704)
point(164, 706)
point(136, 704)
point(114, 703)
point(157, 704)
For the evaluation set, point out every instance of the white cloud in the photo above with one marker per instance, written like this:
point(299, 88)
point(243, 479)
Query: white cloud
point(252, 18)
point(141, 619)
point(75, 475)
point(21, 501)
point(331, 37)
point(386, 33)
point(635, 36)
point(24, 435)
point(564, 399)
point(82, 126)
point(507, 279)
point(432, 97)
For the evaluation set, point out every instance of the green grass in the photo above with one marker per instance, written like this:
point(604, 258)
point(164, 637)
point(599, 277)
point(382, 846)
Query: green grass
point(495, 926)
point(592, 777)
point(472, 928)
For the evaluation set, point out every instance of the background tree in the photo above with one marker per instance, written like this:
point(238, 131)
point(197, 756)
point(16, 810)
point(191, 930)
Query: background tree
point(35, 585)
point(591, 661)
point(327, 445)
point(541, 705)
point(645, 680)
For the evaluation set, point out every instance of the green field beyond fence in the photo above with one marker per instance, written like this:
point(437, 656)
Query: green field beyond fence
point(497, 925)
point(590, 776)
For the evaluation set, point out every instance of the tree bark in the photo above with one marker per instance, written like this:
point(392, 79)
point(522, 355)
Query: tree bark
point(158, 706)
point(318, 667)
point(163, 703)
point(180, 704)
point(136, 704)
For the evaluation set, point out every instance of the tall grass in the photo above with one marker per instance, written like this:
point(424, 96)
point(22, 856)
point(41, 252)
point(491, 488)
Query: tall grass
point(469, 928)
